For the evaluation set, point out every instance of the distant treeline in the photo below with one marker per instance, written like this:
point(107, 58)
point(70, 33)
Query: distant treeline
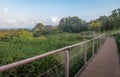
point(75, 24)
point(70, 24)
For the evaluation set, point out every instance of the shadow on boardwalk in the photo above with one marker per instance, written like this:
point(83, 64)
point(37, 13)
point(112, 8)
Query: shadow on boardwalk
point(105, 63)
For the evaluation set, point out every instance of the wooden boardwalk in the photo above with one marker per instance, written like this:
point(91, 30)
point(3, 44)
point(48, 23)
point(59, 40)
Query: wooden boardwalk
point(105, 63)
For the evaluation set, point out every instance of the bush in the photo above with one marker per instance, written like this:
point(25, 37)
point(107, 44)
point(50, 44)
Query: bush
point(21, 47)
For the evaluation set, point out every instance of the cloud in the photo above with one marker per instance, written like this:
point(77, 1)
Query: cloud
point(16, 22)
point(5, 9)
point(54, 19)
point(7, 21)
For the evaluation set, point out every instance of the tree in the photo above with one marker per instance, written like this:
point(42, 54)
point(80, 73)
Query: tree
point(103, 20)
point(95, 25)
point(38, 29)
point(110, 22)
point(48, 29)
point(114, 19)
point(71, 24)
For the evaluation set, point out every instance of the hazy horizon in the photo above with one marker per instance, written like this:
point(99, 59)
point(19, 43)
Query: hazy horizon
point(26, 13)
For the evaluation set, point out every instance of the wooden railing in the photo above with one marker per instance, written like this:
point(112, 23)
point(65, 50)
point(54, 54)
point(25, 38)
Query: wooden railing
point(100, 40)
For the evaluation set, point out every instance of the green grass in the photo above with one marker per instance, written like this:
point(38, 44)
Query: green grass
point(16, 49)
point(117, 37)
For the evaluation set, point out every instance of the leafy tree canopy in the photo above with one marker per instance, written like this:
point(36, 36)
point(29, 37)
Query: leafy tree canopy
point(71, 24)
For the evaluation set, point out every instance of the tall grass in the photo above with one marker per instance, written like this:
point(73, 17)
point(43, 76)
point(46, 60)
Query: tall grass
point(16, 49)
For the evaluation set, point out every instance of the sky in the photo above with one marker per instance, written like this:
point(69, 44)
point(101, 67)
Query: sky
point(26, 13)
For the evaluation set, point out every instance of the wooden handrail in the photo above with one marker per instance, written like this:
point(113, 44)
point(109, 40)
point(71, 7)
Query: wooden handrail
point(25, 61)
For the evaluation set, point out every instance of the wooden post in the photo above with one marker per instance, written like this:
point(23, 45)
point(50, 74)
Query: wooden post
point(100, 42)
point(66, 63)
point(93, 48)
point(93, 35)
point(85, 53)
point(103, 39)
point(97, 43)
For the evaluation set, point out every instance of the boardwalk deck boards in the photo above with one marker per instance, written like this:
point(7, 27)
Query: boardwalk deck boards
point(105, 63)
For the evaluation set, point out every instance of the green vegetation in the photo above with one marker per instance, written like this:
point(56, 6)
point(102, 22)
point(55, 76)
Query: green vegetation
point(27, 46)
point(110, 22)
point(76, 25)
point(118, 41)
point(72, 24)
point(103, 23)
point(116, 34)
point(20, 44)
point(95, 25)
